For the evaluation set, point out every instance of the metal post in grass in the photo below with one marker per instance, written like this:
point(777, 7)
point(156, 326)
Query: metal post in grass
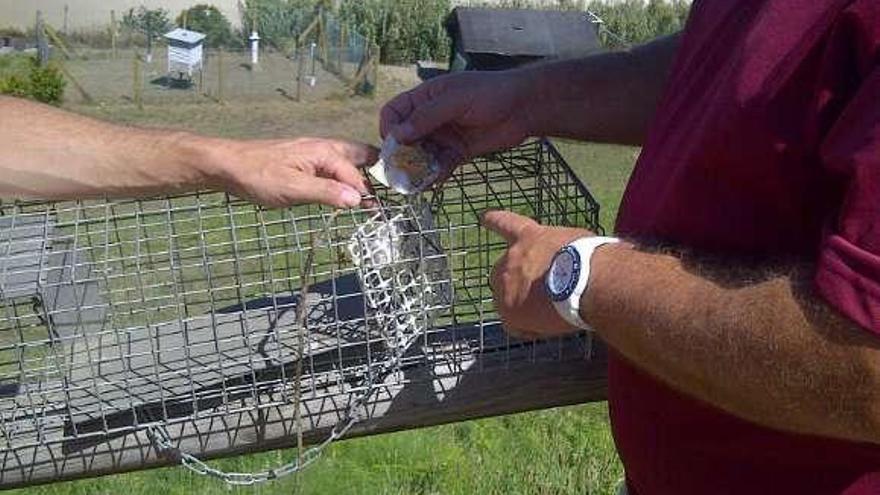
point(220, 75)
point(376, 55)
point(137, 85)
point(322, 36)
point(42, 44)
point(113, 34)
point(312, 56)
point(340, 46)
point(66, 18)
point(300, 62)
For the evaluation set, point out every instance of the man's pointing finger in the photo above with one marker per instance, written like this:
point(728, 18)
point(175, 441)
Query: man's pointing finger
point(507, 224)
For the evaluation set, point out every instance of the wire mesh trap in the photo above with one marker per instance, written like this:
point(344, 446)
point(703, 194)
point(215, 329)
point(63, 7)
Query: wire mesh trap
point(152, 332)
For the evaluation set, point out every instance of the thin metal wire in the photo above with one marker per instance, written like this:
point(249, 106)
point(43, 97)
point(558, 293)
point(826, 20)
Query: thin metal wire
point(155, 313)
point(603, 27)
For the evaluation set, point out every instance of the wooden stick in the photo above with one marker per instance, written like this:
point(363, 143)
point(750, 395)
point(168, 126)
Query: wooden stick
point(376, 58)
point(300, 40)
point(300, 61)
point(220, 75)
point(87, 98)
point(113, 33)
point(339, 48)
point(56, 38)
point(136, 82)
point(42, 45)
point(322, 36)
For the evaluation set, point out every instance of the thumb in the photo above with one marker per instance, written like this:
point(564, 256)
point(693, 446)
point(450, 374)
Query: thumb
point(507, 224)
point(428, 117)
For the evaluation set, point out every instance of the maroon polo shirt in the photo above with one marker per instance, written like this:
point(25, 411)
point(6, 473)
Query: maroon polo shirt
point(766, 144)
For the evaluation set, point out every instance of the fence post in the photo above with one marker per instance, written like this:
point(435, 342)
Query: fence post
point(220, 75)
point(339, 49)
point(322, 36)
point(300, 61)
point(113, 33)
point(376, 55)
point(42, 44)
point(137, 88)
point(66, 12)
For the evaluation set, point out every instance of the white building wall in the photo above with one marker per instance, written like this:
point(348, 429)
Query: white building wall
point(86, 14)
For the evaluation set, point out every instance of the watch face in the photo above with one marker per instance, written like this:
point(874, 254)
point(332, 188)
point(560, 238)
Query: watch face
point(564, 274)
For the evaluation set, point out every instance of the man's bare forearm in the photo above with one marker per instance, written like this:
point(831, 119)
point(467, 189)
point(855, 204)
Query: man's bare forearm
point(52, 154)
point(757, 344)
point(608, 98)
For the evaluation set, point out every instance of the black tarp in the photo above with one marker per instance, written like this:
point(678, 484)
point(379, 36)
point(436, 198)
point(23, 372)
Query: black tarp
point(497, 39)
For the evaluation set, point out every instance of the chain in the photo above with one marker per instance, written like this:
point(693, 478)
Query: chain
point(160, 438)
point(356, 410)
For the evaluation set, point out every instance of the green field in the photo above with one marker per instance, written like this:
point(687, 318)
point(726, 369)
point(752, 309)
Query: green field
point(566, 450)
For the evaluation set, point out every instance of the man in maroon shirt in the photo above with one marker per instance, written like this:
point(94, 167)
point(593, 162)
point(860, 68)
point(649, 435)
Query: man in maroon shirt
point(743, 307)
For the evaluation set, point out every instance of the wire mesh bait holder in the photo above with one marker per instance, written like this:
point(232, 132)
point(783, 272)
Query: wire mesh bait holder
point(392, 256)
point(191, 325)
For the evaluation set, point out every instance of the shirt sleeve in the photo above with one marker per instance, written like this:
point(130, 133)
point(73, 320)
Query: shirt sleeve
point(848, 268)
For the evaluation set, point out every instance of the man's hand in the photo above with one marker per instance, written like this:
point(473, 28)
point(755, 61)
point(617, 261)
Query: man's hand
point(463, 115)
point(517, 280)
point(56, 155)
point(277, 173)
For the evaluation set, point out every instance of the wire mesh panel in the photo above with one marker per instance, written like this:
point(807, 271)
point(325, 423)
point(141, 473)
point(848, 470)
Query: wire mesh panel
point(136, 331)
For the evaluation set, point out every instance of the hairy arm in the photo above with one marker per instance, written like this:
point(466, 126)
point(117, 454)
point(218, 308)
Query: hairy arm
point(51, 154)
point(756, 343)
point(48, 153)
point(609, 98)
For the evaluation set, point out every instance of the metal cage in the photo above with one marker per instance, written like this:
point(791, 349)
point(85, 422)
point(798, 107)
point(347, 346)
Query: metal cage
point(137, 331)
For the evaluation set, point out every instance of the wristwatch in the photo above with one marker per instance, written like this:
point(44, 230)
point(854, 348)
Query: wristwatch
point(569, 276)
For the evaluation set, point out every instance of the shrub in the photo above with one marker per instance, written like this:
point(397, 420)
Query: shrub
point(44, 84)
point(12, 32)
point(14, 86)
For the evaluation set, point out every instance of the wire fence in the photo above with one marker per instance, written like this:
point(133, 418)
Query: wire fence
point(349, 54)
point(135, 332)
point(328, 59)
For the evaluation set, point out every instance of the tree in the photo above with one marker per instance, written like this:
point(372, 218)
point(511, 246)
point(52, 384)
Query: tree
point(152, 23)
point(277, 21)
point(208, 19)
point(636, 21)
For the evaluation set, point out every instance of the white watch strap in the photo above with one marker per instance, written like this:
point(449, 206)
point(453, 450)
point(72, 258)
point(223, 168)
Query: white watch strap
point(570, 309)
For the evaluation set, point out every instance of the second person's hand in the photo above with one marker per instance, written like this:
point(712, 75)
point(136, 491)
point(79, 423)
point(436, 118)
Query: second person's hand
point(282, 172)
point(459, 116)
point(517, 279)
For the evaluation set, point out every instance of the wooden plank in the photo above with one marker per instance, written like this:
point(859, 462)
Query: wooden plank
point(444, 388)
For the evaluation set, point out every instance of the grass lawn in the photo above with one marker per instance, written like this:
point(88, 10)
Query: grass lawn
point(567, 450)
